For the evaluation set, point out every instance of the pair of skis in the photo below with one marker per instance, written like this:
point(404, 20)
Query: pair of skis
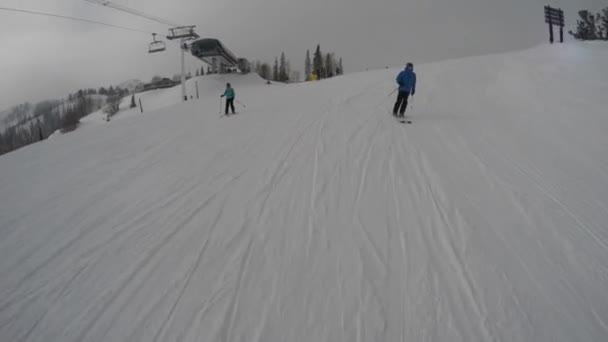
point(403, 120)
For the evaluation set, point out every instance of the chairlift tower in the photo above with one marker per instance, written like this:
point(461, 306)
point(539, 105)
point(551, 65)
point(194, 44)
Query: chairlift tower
point(184, 33)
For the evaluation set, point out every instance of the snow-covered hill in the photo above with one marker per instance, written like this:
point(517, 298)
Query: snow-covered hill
point(131, 85)
point(313, 216)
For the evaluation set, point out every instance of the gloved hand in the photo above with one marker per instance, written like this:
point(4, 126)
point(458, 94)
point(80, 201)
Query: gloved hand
point(221, 95)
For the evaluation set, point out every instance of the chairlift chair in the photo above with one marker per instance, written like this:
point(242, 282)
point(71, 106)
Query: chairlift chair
point(156, 45)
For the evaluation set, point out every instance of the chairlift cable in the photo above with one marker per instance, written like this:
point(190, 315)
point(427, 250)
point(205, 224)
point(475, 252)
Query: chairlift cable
point(76, 19)
point(132, 11)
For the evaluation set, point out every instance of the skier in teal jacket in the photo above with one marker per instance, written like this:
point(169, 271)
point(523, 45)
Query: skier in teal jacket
point(229, 94)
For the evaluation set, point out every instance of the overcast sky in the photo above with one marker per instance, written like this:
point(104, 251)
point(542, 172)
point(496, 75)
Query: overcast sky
point(47, 58)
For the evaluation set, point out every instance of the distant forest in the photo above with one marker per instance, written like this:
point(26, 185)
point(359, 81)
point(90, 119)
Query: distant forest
point(28, 123)
point(320, 66)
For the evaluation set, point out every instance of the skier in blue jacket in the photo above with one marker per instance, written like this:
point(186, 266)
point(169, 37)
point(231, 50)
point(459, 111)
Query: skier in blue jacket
point(407, 86)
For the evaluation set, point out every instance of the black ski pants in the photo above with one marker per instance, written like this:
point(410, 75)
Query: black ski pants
point(401, 104)
point(229, 104)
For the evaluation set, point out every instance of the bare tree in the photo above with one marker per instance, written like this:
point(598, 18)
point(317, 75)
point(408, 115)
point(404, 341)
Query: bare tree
point(295, 76)
point(112, 107)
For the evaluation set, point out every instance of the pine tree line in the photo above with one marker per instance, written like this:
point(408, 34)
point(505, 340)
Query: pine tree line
point(279, 72)
point(322, 66)
point(319, 67)
point(591, 26)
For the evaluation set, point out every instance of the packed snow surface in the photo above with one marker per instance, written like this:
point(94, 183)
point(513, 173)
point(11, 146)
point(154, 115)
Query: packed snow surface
point(312, 215)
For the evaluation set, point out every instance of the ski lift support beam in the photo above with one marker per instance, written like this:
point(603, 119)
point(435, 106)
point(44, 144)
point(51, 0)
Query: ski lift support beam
point(182, 32)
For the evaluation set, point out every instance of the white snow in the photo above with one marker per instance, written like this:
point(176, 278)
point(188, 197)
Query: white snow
point(313, 216)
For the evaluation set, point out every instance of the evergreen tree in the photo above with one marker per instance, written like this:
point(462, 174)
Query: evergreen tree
point(283, 73)
point(317, 63)
point(307, 66)
point(133, 105)
point(586, 28)
point(111, 91)
point(604, 22)
point(275, 70)
point(329, 65)
point(202, 71)
point(198, 73)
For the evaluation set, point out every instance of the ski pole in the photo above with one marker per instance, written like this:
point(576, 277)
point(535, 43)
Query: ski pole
point(220, 112)
point(237, 101)
point(412, 102)
point(389, 95)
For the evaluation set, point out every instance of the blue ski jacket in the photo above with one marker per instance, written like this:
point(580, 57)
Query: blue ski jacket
point(407, 81)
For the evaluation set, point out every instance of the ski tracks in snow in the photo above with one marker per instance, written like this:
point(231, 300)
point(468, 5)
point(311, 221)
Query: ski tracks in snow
point(329, 222)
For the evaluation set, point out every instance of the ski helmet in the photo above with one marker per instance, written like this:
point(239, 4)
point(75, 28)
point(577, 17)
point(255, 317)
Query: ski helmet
point(409, 66)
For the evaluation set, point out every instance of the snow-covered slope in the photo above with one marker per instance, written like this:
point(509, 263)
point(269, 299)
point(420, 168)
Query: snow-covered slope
point(152, 100)
point(313, 216)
